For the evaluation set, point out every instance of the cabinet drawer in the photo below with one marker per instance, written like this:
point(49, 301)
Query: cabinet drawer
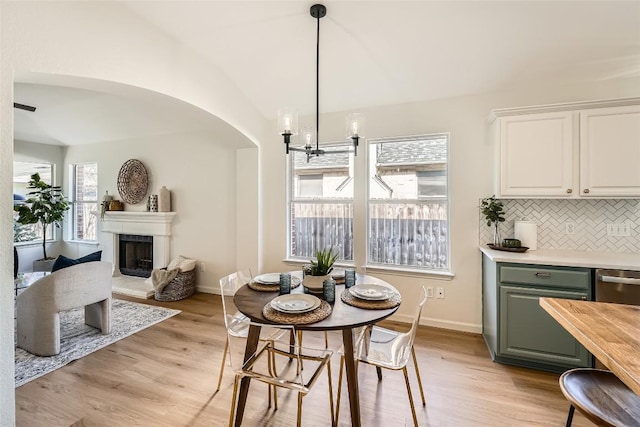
point(570, 278)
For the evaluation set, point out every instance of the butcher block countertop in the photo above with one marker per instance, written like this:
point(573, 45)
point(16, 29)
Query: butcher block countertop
point(569, 258)
point(611, 332)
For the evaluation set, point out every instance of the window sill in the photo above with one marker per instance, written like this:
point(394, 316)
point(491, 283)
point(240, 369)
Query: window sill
point(84, 242)
point(31, 244)
point(397, 271)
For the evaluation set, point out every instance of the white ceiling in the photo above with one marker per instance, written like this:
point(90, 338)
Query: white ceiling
point(372, 53)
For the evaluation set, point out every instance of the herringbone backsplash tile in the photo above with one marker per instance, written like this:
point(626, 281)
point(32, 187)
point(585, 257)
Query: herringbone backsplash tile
point(589, 216)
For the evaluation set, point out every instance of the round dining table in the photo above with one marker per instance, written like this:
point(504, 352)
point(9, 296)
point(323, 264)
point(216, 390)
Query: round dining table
point(343, 317)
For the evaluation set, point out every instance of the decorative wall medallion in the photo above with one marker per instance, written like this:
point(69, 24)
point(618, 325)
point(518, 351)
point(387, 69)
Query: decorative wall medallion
point(133, 181)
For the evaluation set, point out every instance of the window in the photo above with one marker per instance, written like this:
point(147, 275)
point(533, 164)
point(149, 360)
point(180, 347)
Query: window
point(84, 200)
point(321, 204)
point(408, 206)
point(22, 172)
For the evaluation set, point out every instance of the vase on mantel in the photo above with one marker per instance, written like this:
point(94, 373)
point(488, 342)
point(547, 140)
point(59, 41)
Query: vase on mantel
point(164, 200)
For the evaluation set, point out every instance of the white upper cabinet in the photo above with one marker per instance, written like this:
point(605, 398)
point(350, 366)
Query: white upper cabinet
point(536, 154)
point(610, 152)
point(568, 150)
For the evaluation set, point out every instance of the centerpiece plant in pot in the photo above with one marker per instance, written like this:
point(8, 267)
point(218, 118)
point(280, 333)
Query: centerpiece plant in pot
point(316, 273)
point(45, 205)
point(493, 211)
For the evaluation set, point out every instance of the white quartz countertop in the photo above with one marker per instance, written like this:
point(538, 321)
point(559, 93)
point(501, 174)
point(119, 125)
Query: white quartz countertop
point(570, 258)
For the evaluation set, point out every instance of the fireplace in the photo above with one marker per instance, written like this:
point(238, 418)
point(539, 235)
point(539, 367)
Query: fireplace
point(135, 255)
point(148, 232)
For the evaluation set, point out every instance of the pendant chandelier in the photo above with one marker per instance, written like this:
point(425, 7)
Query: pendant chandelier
point(288, 119)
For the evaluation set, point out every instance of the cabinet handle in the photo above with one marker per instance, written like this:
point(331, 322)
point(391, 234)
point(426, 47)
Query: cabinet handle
point(569, 191)
point(543, 274)
point(583, 298)
point(585, 191)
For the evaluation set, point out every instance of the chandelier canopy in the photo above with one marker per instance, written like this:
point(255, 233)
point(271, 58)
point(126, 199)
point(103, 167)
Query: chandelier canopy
point(288, 119)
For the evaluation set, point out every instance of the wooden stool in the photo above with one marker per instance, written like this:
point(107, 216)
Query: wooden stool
point(601, 397)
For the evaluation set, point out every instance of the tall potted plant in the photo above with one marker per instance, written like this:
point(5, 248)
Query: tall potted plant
point(493, 211)
point(45, 205)
point(316, 273)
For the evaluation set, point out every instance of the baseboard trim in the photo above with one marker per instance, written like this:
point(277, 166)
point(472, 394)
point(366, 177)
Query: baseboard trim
point(442, 324)
point(208, 289)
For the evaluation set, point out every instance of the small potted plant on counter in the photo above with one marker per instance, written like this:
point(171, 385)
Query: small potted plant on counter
point(316, 273)
point(493, 211)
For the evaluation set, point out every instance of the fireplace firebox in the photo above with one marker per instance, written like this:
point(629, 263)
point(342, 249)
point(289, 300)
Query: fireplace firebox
point(136, 255)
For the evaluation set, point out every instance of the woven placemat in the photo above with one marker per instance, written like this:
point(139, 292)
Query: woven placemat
point(313, 316)
point(274, 287)
point(392, 302)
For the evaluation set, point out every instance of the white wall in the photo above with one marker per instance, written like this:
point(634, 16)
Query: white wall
point(200, 173)
point(7, 383)
point(471, 173)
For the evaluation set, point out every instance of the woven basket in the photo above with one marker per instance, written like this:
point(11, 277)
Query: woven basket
point(181, 287)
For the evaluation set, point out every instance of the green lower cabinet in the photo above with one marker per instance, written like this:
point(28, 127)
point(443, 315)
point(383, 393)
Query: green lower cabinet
point(520, 332)
point(528, 332)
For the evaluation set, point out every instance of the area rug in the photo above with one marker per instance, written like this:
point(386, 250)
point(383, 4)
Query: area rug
point(78, 339)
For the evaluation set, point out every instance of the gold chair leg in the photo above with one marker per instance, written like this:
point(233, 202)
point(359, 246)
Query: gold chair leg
point(299, 410)
point(339, 388)
point(413, 408)
point(415, 363)
point(270, 370)
point(333, 420)
point(224, 360)
point(233, 401)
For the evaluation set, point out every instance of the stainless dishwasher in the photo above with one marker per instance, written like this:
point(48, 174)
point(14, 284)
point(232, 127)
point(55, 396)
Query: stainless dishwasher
point(619, 286)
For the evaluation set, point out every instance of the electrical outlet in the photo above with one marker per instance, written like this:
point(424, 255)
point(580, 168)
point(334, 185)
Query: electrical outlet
point(203, 267)
point(623, 229)
point(569, 228)
point(618, 229)
point(440, 293)
point(430, 292)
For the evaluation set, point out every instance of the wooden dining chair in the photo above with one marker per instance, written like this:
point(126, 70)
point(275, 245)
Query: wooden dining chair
point(601, 397)
point(388, 349)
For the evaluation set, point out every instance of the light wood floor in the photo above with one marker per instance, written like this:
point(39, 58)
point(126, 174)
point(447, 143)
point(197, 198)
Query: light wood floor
point(166, 375)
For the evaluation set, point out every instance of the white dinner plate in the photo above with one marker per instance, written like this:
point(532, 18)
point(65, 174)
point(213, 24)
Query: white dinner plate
point(268, 278)
point(371, 292)
point(337, 273)
point(295, 303)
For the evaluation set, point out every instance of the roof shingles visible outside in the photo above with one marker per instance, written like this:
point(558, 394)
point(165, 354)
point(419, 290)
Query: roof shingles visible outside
point(391, 153)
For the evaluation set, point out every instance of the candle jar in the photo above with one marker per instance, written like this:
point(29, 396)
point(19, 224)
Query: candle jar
point(329, 290)
point(285, 283)
point(349, 278)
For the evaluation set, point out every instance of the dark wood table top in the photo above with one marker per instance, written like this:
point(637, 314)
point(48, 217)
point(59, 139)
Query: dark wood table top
point(343, 316)
point(610, 331)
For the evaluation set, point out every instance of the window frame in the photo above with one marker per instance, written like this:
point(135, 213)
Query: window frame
point(446, 272)
point(291, 199)
point(75, 204)
point(52, 230)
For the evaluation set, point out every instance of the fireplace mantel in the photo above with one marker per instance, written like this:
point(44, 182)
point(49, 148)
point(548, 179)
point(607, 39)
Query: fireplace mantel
point(144, 223)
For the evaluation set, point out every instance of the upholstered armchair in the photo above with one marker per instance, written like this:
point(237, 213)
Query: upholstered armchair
point(39, 305)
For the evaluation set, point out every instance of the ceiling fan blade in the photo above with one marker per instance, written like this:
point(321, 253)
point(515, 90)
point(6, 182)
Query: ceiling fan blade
point(24, 107)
